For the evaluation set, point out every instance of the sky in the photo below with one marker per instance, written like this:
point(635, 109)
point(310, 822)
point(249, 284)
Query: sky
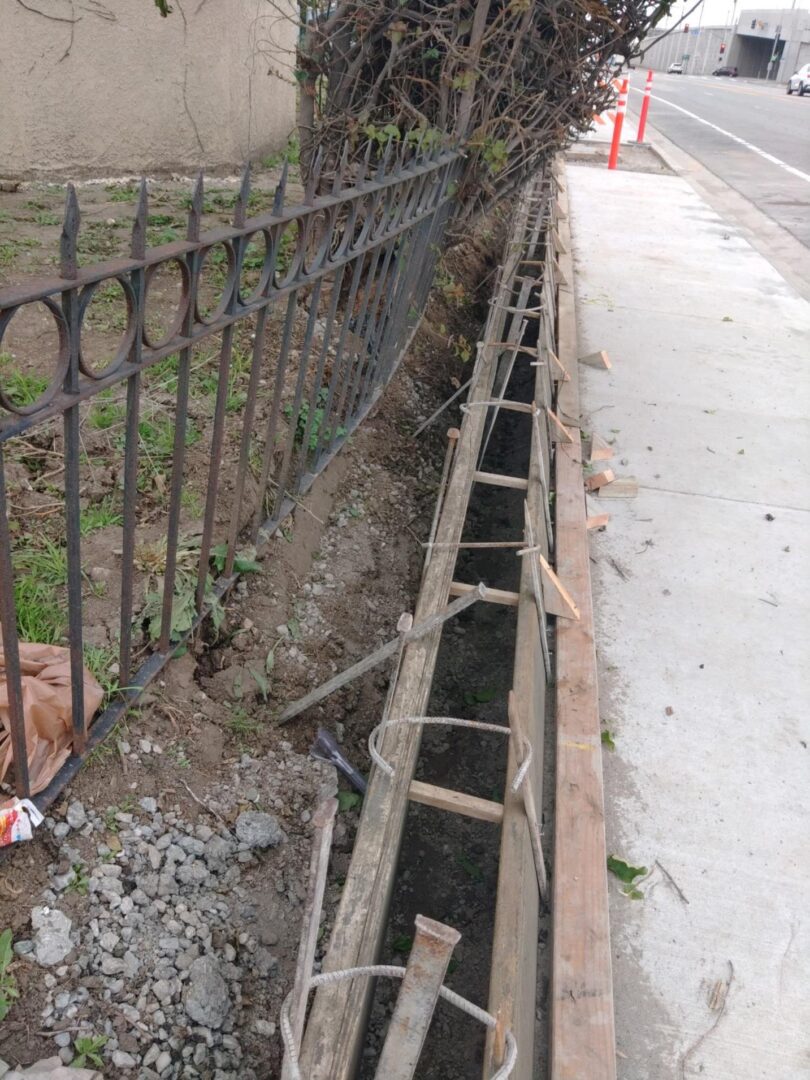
point(719, 12)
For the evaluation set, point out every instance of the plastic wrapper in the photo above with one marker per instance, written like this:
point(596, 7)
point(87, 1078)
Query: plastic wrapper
point(18, 819)
point(47, 711)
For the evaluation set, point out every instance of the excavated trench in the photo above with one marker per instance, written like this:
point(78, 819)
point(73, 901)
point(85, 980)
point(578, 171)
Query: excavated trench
point(448, 868)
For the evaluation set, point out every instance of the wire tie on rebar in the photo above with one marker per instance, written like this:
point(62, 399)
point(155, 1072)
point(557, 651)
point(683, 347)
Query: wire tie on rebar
point(291, 1051)
point(450, 721)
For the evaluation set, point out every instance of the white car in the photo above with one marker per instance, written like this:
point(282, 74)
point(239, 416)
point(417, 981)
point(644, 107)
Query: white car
point(800, 82)
point(675, 69)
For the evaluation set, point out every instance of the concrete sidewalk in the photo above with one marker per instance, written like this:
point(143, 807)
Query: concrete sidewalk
point(703, 624)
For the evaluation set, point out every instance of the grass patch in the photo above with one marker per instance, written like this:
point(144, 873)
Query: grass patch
point(8, 984)
point(100, 515)
point(106, 414)
point(40, 573)
point(20, 387)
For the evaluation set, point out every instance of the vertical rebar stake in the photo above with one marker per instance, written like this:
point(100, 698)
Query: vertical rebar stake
point(427, 964)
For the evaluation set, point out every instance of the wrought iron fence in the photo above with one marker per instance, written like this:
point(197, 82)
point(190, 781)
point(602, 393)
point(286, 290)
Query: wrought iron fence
point(328, 293)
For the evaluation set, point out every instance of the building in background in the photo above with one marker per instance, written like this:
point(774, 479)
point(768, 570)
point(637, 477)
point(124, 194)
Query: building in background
point(104, 89)
point(762, 44)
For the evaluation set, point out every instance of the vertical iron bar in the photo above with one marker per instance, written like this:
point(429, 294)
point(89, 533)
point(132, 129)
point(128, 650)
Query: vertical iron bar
point(316, 385)
point(247, 435)
point(326, 419)
point(132, 436)
point(70, 308)
point(299, 393)
point(217, 440)
point(275, 410)
point(11, 649)
point(342, 361)
point(356, 359)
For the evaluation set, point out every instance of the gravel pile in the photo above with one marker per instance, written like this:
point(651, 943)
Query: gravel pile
point(170, 948)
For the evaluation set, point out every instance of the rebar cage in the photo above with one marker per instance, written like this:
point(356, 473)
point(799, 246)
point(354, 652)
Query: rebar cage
point(317, 302)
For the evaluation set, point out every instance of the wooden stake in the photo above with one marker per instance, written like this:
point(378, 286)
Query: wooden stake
point(600, 450)
point(599, 480)
point(626, 487)
point(597, 521)
point(559, 432)
point(558, 372)
point(597, 360)
point(565, 607)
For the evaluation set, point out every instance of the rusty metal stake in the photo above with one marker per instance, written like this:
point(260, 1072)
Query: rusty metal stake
point(432, 948)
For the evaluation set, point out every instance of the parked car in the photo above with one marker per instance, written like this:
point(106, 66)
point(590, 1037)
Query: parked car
point(730, 71)
point(800, 82)
point(675, 69)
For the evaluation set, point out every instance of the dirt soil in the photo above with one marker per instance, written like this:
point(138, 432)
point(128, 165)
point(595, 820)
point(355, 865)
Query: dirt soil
point(204, 750)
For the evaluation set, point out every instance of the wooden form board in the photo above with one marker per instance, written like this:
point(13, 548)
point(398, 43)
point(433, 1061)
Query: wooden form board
point(513, 973)
point(582, 1038)
point(334, 1034)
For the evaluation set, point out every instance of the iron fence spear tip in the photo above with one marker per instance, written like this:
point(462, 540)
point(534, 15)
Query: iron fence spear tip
point(196, 209)
point(281, 188)
point(70, 234)
point(242, 199)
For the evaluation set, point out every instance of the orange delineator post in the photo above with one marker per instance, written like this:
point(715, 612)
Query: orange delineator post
point(645, 108)
point(617, 130)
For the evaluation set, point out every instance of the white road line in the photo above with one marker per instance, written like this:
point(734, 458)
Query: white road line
point(749, 146)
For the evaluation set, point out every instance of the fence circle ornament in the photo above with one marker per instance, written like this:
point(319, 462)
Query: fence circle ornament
point(62, 359)
point(208, 258)
point(176, 323)
point(127, 339)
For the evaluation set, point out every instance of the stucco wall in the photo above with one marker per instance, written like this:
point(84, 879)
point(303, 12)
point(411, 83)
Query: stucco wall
point(108, 87)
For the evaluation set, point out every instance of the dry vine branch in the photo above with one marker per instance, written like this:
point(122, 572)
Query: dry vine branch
point(511, 81)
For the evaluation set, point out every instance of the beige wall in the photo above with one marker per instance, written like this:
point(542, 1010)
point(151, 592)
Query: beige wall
point(109, 88)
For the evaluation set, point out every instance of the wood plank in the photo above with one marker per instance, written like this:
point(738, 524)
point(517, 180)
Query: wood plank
point(457, 802)
point(491, 596)
point(582, 1037)
point(333, 1038)
point(500, 480)
point(597, 521)
point(513, 973)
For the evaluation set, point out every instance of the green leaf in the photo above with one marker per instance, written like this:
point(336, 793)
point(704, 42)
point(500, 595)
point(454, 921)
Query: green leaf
point(261, 682)
point(270, 661)
point(623, 871)
point(294, 626)
point(607, 740)
point(348, 800)
point(479, 697)
point(633, 894)
point(402, 943)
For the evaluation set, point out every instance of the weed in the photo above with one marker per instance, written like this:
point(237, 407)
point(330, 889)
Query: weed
point(20, 387)
point(12, 249)
point(117, 193)
point(88, 1049)
point(192, 502)
point(240, 723)
point(100, 661)
point(8, 984)
point(469, 867)
point(45, 217)
point(244, 562)
point(402, 943)
point(291, 154)
point(104, 415)
point(40, 572)
point(302, 421)
point(348, 800)
point(80, 882)
point(180, 756)
point(100, 515)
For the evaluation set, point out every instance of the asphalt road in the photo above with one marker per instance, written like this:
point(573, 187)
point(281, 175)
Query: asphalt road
point(753, 136)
